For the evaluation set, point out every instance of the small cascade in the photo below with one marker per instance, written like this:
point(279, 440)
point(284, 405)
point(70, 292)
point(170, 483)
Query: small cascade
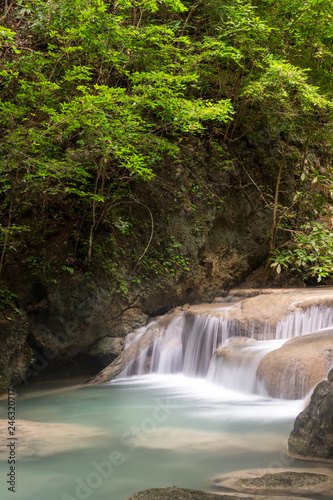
point(165, 355)
point(139, 366)
point(235, 365)
point(201, 337)
point(290, 383)
point(225, 351)
point(167, 352)
point(301, 322)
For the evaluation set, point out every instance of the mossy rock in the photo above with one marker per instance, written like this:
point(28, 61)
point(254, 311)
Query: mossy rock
point(285, 480)
point(174, 493)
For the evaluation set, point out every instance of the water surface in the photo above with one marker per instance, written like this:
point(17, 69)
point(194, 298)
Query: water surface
point(109, 441)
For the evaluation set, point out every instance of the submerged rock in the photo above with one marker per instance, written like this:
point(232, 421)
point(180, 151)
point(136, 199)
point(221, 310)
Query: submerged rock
point(291, 371)
point(180, 494)
point(312, 435)
point(37, 440)
point(186, 494)
point(280, 483)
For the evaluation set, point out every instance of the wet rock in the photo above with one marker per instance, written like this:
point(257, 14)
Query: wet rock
point(291, 371)
point(260, 313)
point(290, 482)
point(179, 494)
point(312, 435)
point(285, 480)
point(229, 351)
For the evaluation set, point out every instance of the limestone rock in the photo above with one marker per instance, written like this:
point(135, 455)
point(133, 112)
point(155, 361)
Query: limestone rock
point(259, 312)
point(233, 352)
point(312, 435)
point(291, 371)
point(180, 494)
point(290, 482)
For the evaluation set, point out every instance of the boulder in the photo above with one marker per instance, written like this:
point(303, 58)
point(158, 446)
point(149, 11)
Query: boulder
point(107, 348)
point(233, 352)
point(291, 371)
point(312, 436)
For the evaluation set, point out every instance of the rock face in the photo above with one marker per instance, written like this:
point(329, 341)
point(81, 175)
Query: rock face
point(15, 354)
point(180, 494)
point(291, 371)
point(107, 349)
point(312, 435)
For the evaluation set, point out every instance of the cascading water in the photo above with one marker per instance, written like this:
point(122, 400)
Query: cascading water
point(167, 352)
point(237, 369)
point(300, 322)
point(201, 336)
point(189, 343)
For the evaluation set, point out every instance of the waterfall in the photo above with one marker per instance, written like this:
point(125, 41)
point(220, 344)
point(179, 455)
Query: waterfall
point(222, 350)
point(201, 336)
point(301, 322)
point(235, 366)
point(167, 352)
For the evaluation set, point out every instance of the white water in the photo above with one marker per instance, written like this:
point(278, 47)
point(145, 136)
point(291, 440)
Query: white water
point(240, 372)
point(300, 322)
point(188, 343)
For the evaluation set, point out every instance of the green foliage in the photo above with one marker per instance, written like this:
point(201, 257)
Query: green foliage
point(309, 254)
point(95, 96)
point(8, 301)
point(168, 260)
point(36, 264)
point(285, 84)
point(87, 90)
point(69, 269)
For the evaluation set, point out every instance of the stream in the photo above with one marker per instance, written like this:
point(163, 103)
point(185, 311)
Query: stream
point(191, 419)
point(154, 431)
